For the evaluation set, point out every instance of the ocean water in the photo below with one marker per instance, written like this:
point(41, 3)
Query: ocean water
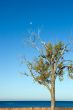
point(12, 104)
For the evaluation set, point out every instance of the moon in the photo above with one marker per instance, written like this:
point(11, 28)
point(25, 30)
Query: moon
point(30, 23)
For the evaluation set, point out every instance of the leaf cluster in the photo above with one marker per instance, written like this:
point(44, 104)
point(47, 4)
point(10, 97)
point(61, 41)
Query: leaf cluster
point(41, 70)
point(53, 52)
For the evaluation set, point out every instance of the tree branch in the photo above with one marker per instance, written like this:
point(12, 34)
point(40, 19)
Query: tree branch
point(48, 87)
point(67, 60)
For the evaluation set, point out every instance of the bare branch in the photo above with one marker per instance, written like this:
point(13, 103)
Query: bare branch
point(66, 67)
point(32, 41)
point(69, 50)
point(24, 74)
point(67, 60)
point(46, 85)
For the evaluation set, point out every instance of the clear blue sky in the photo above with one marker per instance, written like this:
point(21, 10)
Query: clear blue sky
point(55, 20)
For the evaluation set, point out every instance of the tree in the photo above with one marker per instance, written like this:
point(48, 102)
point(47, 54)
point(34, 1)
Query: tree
point(50, 64)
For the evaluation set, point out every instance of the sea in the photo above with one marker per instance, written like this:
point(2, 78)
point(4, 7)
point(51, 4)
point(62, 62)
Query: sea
point(25, 104)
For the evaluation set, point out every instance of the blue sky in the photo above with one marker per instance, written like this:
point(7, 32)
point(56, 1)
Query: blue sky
point(54, 18)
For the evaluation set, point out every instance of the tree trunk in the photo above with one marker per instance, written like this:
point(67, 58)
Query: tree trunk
point(53, 92)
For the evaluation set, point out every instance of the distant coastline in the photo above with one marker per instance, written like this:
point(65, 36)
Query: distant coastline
point(26, 104)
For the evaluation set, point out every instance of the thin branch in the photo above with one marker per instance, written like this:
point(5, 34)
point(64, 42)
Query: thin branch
point(32, 42)
point(66, 67)
point(69, 50)
point(45, 84)
point(24, 74)
point(67, 60)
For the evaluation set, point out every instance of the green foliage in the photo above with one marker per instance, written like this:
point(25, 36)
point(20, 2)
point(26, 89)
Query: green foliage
point(60, 65)
point(59, 46)
point(41, 70)
point(58, 49)
point(49, 51)
point(70, 70)
point(53, 52)
point(40, 66)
